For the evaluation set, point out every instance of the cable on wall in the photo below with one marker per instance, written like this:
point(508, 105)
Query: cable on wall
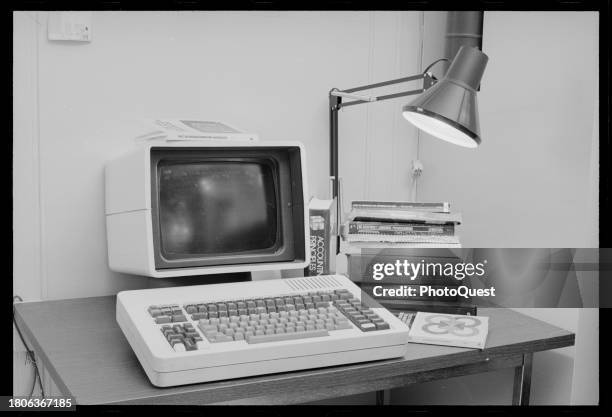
point(416, 164)
point(30, 357)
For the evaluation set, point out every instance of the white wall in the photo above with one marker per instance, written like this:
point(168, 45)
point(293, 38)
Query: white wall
point(532, 183)
point(267, 72)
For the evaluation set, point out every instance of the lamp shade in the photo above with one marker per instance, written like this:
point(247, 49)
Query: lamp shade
point(449, 110)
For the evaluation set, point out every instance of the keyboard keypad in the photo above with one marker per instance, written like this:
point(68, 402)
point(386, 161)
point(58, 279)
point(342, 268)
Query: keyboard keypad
point(284, 317)
point(167, 314)
point(270, 322)
point(360, 315)
point(183, 337)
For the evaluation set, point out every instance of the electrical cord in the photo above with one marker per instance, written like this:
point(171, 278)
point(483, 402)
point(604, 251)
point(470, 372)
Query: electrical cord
point(434, 63)
point(29, 353)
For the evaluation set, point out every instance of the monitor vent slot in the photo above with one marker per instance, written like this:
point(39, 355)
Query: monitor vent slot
point(312, 283)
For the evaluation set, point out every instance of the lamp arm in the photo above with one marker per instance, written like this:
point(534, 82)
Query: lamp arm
point(335, 104)
point(338, 93)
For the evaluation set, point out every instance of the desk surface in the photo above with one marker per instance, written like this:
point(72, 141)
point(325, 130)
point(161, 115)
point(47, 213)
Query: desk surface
point(81, 345)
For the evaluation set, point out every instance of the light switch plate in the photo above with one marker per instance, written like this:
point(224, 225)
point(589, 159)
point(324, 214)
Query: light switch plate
point(69, 26)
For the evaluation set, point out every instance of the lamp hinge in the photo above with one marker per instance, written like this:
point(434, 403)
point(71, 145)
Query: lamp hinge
point(428, 80)
point(335, 102)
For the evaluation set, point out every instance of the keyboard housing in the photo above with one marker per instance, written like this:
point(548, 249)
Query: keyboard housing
point(219, 361)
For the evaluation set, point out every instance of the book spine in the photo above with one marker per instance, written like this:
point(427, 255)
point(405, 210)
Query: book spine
point(404, 216)
point(378, 228)
point(380, 238)
point(356, 248)
point(321, 248)
point(443, 207)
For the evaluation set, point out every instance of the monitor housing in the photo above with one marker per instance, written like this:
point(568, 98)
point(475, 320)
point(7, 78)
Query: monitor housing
point(207, 207)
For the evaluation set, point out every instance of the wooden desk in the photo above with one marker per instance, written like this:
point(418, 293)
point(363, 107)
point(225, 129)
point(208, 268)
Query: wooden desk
point(80, 344)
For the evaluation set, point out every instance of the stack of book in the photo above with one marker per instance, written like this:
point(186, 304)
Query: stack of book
point(386, 224)
point(384, 232)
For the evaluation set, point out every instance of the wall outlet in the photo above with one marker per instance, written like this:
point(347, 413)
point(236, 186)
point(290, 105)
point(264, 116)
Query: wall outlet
point(69, 26)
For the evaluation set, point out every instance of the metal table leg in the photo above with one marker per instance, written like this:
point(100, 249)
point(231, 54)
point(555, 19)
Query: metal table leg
point(380, 397)
point(522, 381)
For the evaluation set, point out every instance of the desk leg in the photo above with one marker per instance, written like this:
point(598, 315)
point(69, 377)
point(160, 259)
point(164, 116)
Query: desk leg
point(522, 381)
point(380, 397)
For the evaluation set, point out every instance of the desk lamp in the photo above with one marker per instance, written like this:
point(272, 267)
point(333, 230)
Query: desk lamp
point(446, 108)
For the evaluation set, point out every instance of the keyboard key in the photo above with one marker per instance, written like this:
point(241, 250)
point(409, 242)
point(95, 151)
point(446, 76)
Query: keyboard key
point(221, 338)
point(179, 347)
point(179, 318)
point(175, 339)
point(162, 319)
point(285, 336)
point(343, 325)
point(207, 327)
point(367, 327)
point(381, 326)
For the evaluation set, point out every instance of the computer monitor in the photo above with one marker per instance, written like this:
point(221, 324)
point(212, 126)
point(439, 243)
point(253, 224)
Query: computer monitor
point(207, 207)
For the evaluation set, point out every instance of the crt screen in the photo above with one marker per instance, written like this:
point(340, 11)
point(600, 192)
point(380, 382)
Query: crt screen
point(216, 208)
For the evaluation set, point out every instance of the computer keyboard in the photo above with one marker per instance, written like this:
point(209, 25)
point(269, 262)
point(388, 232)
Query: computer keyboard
point(185, 335)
